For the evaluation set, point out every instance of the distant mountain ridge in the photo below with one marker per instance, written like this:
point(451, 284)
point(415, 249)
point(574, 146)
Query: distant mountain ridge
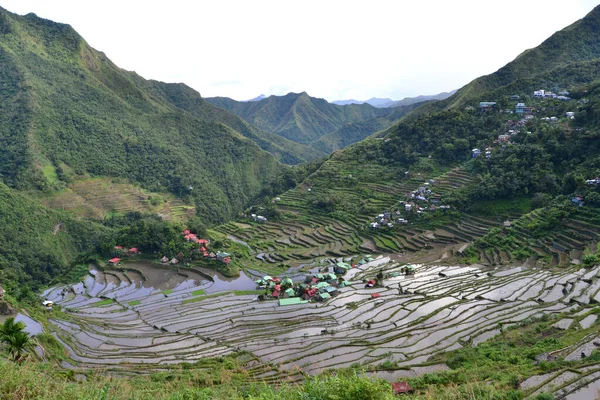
point(305, 119)
point(388, 103)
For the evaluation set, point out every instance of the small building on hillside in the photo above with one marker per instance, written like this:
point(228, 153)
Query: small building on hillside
point(503, 138)
point(539, 93)
point(570, 114)
point(486, 106)
point(595, 181)
point(520, 108)
point(114, 261)
point(475, 153)
point(133, 251)
point(164, 260)
point(401, 388)
point(341, 268)
point(515, 97)
point(224, 257)
point(578, 201)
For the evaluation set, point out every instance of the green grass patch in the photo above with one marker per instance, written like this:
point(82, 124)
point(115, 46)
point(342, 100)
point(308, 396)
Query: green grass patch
point(167, 292)
point(198, 292)
point(501, 208)
point(134, 303)
point(50, 174)
point(104, 302)
point(200, 298)
point(244, 292)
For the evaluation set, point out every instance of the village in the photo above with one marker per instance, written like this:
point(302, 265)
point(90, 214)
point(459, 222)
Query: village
point(202, 249)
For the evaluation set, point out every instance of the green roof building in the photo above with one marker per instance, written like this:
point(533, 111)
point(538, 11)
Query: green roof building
point(291, 301)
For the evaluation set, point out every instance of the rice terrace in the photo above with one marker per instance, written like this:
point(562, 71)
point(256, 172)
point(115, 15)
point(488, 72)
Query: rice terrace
point(162, 240)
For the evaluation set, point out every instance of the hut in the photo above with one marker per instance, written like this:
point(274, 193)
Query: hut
point(114, 261)
point(164, 260)
point(401, 388)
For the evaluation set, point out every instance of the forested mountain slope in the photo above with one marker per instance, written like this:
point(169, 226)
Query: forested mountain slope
point(299, 117)
point(575, 43)
point(66, 110)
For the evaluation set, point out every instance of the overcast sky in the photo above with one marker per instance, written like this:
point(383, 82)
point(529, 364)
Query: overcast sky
point(328, 48)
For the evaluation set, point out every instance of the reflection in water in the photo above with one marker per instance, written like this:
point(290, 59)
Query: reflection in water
point(32, 326)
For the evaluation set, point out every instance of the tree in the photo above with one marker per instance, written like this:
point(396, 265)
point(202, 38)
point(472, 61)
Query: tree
point(13, 335)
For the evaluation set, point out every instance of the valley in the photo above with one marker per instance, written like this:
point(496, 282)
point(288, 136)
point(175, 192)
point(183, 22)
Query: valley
point(156, 243)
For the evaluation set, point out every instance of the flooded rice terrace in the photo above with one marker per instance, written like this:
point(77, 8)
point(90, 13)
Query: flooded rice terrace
point(148, 315)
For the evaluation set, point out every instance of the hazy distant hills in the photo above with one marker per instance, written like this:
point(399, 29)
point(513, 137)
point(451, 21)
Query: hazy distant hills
point(387, 103)
point(258, 98)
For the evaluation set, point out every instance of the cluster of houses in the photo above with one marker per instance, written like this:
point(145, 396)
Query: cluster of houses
point(120, 252)
point(258, 218)
point(595, 181)
point(545, 94)
point(319, 287)
point(416, 198)
point(512, 129)
point(387, 219)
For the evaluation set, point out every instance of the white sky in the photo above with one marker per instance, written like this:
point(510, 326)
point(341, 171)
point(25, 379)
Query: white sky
point(328, 48)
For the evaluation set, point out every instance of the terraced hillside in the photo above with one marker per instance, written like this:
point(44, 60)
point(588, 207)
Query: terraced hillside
point(118, 320)
point(553, 242)
point(95, 198)
point(302, 233)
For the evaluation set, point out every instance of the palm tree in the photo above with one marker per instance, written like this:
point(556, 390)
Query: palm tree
point(12, 334)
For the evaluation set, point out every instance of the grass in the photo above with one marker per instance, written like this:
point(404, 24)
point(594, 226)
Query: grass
point(167, 292)
point(501, 208)
point(134, 303)
point(198, 292)
point(50, 174)
point(244, 292)
point(200, 298)
point(217, 378)
point(104, 302)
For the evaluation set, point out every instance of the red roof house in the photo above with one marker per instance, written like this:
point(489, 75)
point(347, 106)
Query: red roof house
point(203, 249)
point(186, 232)
point(375, 295)
point(133, 250)
point(114, 261)
point(118, 247)
point(275, 293)
point(401, 387)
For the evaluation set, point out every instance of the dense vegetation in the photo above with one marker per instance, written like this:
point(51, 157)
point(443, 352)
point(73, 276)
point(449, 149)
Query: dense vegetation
point(68, 111)
point(304, 119)
point(38, 244)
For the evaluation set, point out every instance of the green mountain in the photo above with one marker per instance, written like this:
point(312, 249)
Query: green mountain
point(67, 111)
point(299, 117)
point(575, 43)
point(536, 167)
point(186, 98)
point(37, 244)
point(356, 131)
